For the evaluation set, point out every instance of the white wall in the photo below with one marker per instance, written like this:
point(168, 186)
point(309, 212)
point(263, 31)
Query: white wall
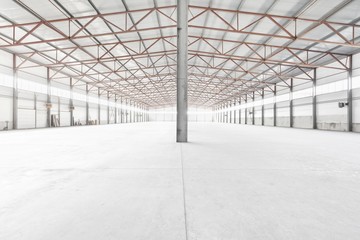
point(168, 114)
point(331, 89)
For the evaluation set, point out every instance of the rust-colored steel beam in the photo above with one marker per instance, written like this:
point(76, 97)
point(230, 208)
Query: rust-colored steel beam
point(289, 32)
point(192, 68)
point(298, 60)
point(214, 71)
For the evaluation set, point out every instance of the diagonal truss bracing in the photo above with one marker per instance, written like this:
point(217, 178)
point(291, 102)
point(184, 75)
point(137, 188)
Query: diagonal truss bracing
point(143, 66)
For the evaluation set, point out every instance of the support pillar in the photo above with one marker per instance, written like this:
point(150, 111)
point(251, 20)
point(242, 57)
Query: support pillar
point(87, 104)
point(131, 112)
point(275, 105)
point(263, 108)
point(227, 112)
point(349, 96)
point(48, 104)
point(15, 94)
point(71, 102)
point(235, 111)
point(182, 71)
point(253, 109)
point(222, 113)
point(213, 114)
point(219, 113)
point(141, 113)
point(240, 110)
point(99, 106)
point(59, 110)
point(116, 110)
point(216, 113)
point(146, 114)
point(137, 112)
point(246, 111)
point(121, 111)
point(126, 111)
point(291, 103)
point(35, 109)
point(134, 113)
point(108, 107)
point(314, 101)
point(230, 112)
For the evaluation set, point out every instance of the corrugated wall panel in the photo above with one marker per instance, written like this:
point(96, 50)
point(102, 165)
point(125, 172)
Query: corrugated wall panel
point(329, 115)
point(6, 113)
point(26, 118)
point(303, 116)
point(93, 114)
point(41, 119)
point(65, 119)
point(112, 115)
point(103, 114)
point(269, 116)
point(80, 115)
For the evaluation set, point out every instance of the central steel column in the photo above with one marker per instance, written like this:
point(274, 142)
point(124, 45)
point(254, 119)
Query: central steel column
point(182, 71)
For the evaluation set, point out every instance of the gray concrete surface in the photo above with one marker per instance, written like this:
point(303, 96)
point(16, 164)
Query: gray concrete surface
point(132, 181)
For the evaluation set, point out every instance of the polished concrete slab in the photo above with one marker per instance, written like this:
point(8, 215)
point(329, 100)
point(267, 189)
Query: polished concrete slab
point(132, 181)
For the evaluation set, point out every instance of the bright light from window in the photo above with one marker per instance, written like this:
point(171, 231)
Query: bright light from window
point(6, 80)
point(356, 82)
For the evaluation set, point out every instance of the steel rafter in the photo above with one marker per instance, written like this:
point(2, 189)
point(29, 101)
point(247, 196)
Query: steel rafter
point(220, 67)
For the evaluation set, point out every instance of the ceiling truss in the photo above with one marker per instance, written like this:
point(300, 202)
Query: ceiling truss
point(143, 68)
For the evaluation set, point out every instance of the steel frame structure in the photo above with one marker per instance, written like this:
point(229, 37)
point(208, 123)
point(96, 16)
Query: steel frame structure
point(143, 69)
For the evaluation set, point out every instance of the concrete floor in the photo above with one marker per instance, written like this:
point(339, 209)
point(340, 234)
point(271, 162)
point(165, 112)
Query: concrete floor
point(133, 181)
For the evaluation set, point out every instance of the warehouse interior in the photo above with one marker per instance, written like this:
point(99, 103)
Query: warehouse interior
point(179, 119)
